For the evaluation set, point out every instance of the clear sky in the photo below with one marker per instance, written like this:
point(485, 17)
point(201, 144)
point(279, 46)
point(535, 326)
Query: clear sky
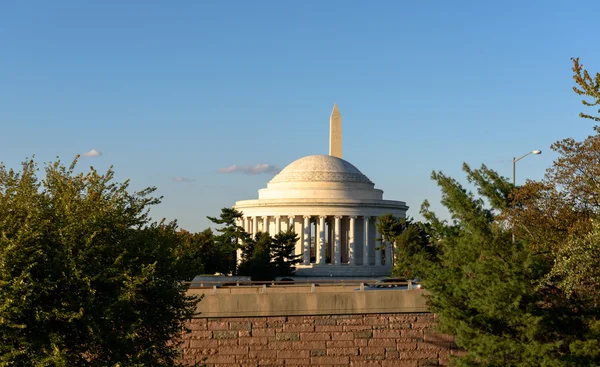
point(171, 92)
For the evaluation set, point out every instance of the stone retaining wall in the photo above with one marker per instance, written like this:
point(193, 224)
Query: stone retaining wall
point(399, 339)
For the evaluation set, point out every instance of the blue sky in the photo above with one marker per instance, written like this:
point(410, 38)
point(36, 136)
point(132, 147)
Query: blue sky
point(166, 90)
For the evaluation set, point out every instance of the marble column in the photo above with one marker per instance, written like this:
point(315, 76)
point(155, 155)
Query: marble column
point(299, 247)
point(367, 243)
point(352, 242)
point(337, 236)
point(388, 253)
point(306, 244)
point(238, 252)
point(254, 226)
point(277, 225)
point(322, 240)
point(316, 236)
point(378, 245)
point(265, 226)
point(246, 224)
point(330, 240)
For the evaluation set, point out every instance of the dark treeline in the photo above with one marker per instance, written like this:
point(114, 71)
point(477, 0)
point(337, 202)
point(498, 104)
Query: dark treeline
point(263, 257)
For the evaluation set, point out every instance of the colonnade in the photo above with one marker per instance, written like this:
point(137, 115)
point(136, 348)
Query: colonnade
point(326, 239)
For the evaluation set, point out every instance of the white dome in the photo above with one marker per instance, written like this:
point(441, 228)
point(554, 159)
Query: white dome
point(320, 168)
point(320, 177)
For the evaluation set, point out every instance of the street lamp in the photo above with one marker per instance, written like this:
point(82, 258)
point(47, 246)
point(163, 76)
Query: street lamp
point(515, 160)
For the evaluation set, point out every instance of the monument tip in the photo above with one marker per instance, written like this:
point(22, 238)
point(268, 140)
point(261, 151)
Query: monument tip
point(335, 132)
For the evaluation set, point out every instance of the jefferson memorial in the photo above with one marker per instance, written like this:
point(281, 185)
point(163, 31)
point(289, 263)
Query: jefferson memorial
point(332, 207)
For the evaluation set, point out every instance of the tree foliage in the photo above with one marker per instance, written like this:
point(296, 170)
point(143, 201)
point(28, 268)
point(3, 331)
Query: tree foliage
point(283, 259)
point(493, 294)
point(212, 256)
point(86, 279)
point(388, 227)
point(265, 257)
point(222, 255)
point(530, 302)
point(588, 87)
point(413, 245)
point(256, 258)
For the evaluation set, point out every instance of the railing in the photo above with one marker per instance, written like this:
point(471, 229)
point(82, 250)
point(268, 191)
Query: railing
point(262, 286)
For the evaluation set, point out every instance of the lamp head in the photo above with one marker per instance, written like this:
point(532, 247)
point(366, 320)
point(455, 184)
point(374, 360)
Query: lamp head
point(537, 151)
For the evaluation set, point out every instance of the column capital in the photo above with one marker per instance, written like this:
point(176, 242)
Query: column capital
point(353, 216)
point(338, 216)
point(322, 216)
point(277, 216)
point(307, 216)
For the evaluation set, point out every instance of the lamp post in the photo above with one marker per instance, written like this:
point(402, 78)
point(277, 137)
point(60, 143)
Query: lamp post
point(515, 160)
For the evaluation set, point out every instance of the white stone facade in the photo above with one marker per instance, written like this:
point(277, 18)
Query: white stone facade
point(333, 208)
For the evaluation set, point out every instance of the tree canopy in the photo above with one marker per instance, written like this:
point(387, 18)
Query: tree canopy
point(222, 255)
point(86, 278)
point(265, 257)
point(529, 302)
point(494, 295)
point(587, 86)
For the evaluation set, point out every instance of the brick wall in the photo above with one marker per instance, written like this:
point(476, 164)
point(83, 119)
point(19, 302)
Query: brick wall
point(349, 340)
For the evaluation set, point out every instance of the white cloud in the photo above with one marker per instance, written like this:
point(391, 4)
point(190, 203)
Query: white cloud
point(183, 179)
point(92, 153)
point(251, 170)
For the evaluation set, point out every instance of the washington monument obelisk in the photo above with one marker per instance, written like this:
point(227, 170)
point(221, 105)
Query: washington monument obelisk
point(335, 132)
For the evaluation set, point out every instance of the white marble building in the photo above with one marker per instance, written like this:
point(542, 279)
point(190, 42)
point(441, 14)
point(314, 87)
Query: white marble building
point(333, 208)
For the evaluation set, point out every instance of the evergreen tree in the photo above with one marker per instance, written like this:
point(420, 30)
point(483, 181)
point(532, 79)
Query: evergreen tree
point(228, 241)
point(283, 259)
point(413, 242)
point(495, 295)
point(265, 257)
point(86, 279)
point(588, 87)
point(388, 227)
point(256, 258)
point(201, 246)
point(530, 302)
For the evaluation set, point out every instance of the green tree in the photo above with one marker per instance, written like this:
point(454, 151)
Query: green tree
point(256, 258)
point(494, 295)
point(283, 259)
point(86, 279)
point(265, 257)
point(586, 86)
point(389, 227)
point(413, 244)
point(558, 215)
point(535, 301)
point(195, 249)
point(228, 241)
point(201, 245)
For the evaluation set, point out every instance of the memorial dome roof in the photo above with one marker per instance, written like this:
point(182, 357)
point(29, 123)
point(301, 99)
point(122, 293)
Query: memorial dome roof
point(320, 168)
